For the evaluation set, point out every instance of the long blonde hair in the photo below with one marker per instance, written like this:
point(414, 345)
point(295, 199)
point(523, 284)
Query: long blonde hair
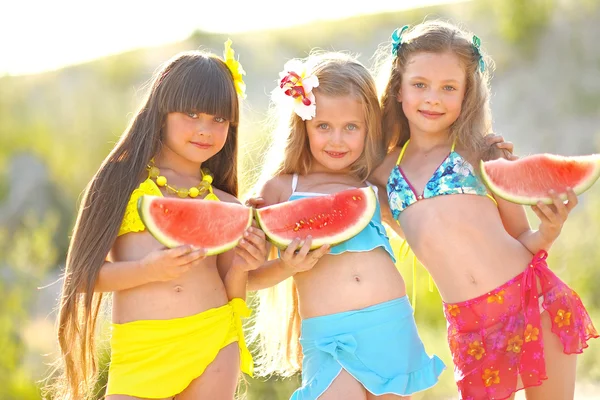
point(437, 36)
point(189, 82)
point(277, 322)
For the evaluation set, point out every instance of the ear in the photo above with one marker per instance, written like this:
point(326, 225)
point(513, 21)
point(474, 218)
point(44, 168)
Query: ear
point(399, 96)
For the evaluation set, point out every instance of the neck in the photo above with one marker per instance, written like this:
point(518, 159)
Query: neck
point(318, 168)
point(168, 159)
point(428, 141)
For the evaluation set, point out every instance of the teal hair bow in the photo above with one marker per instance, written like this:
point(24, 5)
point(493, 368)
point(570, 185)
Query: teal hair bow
point(397, 39)
point(477, 48)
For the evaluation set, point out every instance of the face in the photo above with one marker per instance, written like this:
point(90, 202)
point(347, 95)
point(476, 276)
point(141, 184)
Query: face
point(432, 91)
point(196, 137)
point(337, 133)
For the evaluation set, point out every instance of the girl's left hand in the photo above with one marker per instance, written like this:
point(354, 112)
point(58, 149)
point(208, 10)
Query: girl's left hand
point(498, 140)
point(251, 252)
point(553, 216)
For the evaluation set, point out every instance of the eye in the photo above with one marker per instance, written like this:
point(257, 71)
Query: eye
point(351, 127)
point(449, 88)
point(419, 85)
point(192, 115)
point(220, 120)
point(323, 126)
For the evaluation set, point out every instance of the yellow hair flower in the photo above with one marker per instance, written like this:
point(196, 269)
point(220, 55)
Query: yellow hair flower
point(236, 69)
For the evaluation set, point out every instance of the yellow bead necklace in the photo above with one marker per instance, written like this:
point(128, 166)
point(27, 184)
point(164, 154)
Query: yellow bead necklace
point(195, 191)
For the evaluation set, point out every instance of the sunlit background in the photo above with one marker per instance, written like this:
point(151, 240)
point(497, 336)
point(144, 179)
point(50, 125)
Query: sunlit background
point(73, 72)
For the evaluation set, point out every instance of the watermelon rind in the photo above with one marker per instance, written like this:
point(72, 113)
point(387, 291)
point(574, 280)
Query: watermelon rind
point(591, 161)
point(360, 224)
point(144, 203)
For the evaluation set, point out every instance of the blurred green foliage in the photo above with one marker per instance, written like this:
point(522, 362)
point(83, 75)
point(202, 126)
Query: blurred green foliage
point(71, 118)
point(26, 256)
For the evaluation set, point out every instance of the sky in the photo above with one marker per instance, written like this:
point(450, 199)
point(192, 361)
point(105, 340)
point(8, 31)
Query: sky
point(43, 35)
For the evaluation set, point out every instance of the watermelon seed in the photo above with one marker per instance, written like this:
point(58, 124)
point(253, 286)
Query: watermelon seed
point(353, 197)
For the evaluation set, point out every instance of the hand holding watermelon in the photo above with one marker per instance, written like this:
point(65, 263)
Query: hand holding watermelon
point(553, 216)
point(168, 264)
point(251, 252)
point(530, 179)
point(300, 260)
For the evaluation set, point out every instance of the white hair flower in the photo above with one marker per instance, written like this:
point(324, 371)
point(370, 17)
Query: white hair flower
point(296, 85)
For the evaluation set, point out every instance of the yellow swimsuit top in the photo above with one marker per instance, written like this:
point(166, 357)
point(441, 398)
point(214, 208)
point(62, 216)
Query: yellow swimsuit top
point(131, 219)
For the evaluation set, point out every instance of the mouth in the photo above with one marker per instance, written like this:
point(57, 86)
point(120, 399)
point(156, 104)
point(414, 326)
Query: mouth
point(201, 145)
point(430, 114)
point(336, 154)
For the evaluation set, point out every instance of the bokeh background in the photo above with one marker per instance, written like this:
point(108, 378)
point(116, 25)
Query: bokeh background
point(56, 126)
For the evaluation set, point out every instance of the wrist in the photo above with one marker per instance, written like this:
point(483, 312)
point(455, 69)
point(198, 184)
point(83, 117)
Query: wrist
point(145, 271)
point(549, 237)
point(238, 270)
point(287, 268)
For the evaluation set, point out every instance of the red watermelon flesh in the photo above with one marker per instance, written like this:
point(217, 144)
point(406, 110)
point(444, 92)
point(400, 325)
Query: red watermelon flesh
point(529, 179)
point(212, 225)
point(329, 219)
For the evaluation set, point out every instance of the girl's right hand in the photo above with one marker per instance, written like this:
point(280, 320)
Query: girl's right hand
point(303, 259)
point(255, 202)
point(168, 264)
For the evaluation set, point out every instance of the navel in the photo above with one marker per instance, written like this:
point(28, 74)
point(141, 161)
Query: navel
point(357, 278)
point(178, 288)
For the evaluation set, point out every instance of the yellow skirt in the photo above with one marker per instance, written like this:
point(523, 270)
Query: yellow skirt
point(159, 358)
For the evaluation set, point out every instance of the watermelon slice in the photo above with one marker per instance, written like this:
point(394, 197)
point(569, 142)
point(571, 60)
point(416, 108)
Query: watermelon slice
point(212, 225)
point(329, 219)
point(529, 179)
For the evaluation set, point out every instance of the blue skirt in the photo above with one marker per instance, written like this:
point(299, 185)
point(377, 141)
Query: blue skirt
point(378, 345)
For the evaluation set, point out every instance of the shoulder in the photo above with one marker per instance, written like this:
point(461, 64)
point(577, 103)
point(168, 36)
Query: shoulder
point(226, 197)
point(381, 174)
point(276, 189)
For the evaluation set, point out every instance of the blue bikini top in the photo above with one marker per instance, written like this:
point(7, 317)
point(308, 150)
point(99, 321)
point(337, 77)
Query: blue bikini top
point(455, 175)
point(371, 237)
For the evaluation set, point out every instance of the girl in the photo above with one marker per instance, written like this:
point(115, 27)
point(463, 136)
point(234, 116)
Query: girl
point(512, 323)
point(350, 312)
point(176, 314)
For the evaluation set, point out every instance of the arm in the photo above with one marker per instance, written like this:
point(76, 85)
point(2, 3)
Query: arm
point(234, 278)
point(235, 265)
point(386, 213)
point(552, 218)
point(159, 265)
point(121, 275)
point(269, 274)
point(380, 178)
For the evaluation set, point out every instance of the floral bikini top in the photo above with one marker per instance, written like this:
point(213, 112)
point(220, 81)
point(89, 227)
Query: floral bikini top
point(131, 219)
point(455, 175)
point(371, 237)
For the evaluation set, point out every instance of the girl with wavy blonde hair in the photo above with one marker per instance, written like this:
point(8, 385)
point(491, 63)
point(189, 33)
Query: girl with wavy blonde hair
point(339, 314)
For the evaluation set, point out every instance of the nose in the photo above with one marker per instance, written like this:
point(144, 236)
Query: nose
point(336, 137)
point(431, 97)
point(203, 125)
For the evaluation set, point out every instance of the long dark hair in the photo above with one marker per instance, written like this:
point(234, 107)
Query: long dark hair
point(189, 82)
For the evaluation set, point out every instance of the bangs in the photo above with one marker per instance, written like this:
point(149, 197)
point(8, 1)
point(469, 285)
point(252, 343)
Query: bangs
point(200, 84)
